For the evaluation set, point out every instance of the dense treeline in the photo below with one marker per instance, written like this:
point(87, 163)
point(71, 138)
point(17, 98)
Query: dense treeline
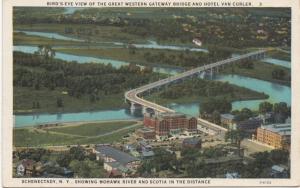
point(187, 59)
point(93, 79)
point(251, 28)
point(206, 88)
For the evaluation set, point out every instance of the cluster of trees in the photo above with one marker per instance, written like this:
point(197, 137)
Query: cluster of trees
point(188, 59)
point(278, 74)
point(82, 163)
point(211, 105)
point(243, 114)
point(162, 160)
point(213, 27)
point(95, 80)
point(280, 110)
point(205, 88)
point(263, 161)
point(260, 167)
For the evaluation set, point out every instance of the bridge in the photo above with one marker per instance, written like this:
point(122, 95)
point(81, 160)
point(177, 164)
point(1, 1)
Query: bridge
point(132, 96)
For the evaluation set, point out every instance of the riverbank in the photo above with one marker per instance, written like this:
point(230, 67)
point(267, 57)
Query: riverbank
point(74, 133)
point(260, 70)
point(198, 91)
point(279, 54)
point(23, 39)
point(89, 32)
point(124, 54)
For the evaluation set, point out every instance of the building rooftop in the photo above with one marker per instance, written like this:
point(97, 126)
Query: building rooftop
point(168, 114)
point(282, 129)
point(191, 141)
point(120, 156)
point(147, 153)
point(278, 168)
point(227, 116)
point(144, 130)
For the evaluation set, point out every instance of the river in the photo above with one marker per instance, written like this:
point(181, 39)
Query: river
point(150, 45)
point(277, 93)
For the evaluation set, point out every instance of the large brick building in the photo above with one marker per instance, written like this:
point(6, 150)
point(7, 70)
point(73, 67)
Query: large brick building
point(275, 135)
point(165, 124)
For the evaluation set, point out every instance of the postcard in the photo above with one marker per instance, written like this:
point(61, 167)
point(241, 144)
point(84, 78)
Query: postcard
point(135, 93)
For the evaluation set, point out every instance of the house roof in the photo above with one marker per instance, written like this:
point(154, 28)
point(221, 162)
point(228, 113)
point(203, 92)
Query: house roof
point(120, 156)
point(227, 116)
point(147, 153)
point(27, 163)
point(191, 141)
point(277, 168)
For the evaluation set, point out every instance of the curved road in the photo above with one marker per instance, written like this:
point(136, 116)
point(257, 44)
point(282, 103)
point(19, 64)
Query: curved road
point(133, 97)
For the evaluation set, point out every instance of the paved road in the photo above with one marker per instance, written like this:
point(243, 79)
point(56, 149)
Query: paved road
point(132, 95)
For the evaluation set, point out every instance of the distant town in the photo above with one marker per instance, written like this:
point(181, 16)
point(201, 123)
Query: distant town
point(105, 94)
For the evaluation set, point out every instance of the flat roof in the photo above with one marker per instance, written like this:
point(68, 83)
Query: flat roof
point(282, 129)
point(227, 116)
point(118, 155)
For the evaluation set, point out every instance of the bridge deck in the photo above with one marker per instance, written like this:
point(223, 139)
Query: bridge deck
point(132, 95)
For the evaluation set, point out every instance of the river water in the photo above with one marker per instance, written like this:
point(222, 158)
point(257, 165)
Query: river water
point(277, 93)
point(151, 44)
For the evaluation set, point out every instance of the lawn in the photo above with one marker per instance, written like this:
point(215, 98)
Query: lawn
point(93, 129)
point(23, 39)
point(94, 32)
point(32, 137)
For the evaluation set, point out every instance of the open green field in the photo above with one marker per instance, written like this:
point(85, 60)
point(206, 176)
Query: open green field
point(23, 39)
point(48, 101)
point(88, 31)
point(92, 129)
point(261, 70)
point(279, 55)
point(33, 137)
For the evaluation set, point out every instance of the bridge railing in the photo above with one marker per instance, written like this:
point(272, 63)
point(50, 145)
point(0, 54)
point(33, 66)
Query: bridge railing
point(167, 80)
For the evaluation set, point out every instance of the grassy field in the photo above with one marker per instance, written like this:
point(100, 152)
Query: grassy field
point(124, 54)
point(99, 33)
point(33, 137)
point(262, 71)
point(48, 101)
point(23, 39)
point(92, 129)
point(279, 55)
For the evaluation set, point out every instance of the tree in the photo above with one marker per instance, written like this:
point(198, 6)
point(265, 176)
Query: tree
point(64, 159)
point(59, 102)
point(77, 153)
point(216, 117)
point(236, 137)
point(46, 51)
point(278, 74)
point(265, 107)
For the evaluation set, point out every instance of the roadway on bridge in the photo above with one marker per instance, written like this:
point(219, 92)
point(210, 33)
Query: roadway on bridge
point(133, 97)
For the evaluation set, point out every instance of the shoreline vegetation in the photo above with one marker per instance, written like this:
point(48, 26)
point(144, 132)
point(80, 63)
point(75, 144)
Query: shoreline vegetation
point(38, 87)
point(262, 71)
point(44, 84)
point(198, 90)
